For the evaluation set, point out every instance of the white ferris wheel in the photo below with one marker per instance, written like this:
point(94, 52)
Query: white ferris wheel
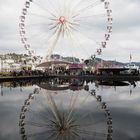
point(70, 28)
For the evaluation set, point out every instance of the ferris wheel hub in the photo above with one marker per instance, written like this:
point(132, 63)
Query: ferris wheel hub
point(62, 19)
point(62, 131)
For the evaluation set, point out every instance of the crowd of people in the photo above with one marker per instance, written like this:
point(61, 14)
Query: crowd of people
point(54, 71)
point(26, 73)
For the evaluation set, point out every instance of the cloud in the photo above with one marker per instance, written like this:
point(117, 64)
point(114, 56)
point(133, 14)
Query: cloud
point(124, 40)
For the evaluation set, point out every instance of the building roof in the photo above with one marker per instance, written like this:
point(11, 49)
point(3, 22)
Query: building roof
point(55, 62)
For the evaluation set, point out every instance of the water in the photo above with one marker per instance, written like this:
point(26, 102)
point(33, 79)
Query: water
point(63, 109)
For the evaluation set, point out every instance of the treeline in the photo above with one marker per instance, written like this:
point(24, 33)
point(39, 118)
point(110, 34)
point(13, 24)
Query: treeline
point(13, 56)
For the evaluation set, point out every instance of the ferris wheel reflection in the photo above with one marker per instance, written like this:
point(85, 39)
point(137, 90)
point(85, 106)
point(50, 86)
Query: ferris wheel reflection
point(61, 113)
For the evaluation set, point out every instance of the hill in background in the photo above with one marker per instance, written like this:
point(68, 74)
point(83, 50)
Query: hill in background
point(96, 61)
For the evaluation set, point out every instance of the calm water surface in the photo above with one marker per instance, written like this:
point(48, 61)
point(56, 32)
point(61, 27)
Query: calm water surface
point(66, 109)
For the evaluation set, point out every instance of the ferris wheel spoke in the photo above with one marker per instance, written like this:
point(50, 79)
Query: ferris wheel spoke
point(57, 32)
point(92, 124)
point(87, 35)
point(92, 133)
point(59, 6)
point(53, 26)
point(40, 105)
point(73, 47)
point(95, 15)
point(87, 23)
point(73, 23)
point(75, 134)
point(36, 124)
point(64, 6)
point(45, 10)
point(55, 134)
point(63, 31)
point(40, 36)
point(41, 133)
point(47, 43)
point(41, 43)
point(39, 25)
point(91, 39)
point(55, 9)
point(54, 108)
point(70, 103)
point(71, 27)
point(53, 30)
point(80, 45)
point(77, 43)
point(76, 5)
point(88, 114)
point(68, 8)
point(69, 30)
point(43, 115)
point(52, 36)
point(39, 15)
point(84, 100)
point(48, 112)
point(72, 107)
point(89, 7)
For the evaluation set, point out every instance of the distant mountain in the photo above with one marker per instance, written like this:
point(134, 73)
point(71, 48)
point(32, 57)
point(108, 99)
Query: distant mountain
point(96, 61)
point(108, 63)
point(71, 59)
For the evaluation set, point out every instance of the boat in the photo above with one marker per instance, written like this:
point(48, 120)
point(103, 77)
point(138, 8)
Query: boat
point(132, 66)
point(133, 69)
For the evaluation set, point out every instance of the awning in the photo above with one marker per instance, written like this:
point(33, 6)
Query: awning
point(49, 63)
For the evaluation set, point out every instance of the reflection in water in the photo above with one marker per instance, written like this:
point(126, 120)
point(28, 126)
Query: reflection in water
point(117, 83)
point(64, 84)
point(131, 84)
point(125, 109)
point(65, 115)
point(15, 84)
point(113, 83)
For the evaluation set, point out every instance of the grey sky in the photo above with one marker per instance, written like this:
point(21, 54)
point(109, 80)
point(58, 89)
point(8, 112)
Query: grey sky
point(125, 37)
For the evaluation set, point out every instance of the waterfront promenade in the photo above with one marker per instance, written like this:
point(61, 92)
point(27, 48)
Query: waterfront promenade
point(93, 77)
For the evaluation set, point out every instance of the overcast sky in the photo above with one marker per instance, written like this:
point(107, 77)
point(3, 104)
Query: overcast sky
point(125, 37)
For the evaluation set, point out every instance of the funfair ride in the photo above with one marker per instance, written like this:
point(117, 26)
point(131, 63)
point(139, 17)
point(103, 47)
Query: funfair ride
point(69, 28)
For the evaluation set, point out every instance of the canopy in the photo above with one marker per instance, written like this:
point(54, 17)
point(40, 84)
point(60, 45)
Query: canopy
point(49, 63)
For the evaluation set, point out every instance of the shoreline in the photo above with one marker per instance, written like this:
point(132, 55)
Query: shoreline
point(92, 77)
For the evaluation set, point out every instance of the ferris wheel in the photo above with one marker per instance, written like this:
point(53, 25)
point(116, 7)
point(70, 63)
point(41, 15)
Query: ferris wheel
point(65, 115)
point(70, 28)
